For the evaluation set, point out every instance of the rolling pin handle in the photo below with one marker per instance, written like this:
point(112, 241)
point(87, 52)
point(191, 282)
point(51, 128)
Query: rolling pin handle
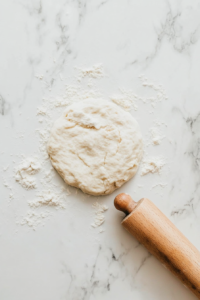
point(125, 203)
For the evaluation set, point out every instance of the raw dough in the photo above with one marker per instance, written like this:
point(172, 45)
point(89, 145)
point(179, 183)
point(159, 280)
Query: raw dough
point(95, 146)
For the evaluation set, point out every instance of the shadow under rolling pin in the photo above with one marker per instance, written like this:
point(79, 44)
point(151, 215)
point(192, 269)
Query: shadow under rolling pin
point(162, 239)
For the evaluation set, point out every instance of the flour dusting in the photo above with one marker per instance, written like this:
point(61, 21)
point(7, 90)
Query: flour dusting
point(99, 218)
point(33, 219)
point(156, 136)
point(24, 172)
point(47, 198)
point(96, 71)
point(42, 111)
point(75, 93)
point(152, 165)
point(160, 184)
point(128, 99)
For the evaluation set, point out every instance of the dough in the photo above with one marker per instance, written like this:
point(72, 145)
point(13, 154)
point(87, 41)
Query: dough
point(95, 146)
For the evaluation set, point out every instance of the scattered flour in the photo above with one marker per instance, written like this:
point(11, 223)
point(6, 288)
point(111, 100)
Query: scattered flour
point(48, 176)
point(24, 172)
point(152, 165)
point(75, 93)
point(160, 93)
point(39, 76)
point(128, 99)
point(47, 198)
point(140, 186)
point(11, 196)
point(5, 184)
point(99, 214)
point(160, 184)
point(6, 168)
point(156, 132)
point(42, 111)
point(33, 219)
point(96, 71)
point(156, 136)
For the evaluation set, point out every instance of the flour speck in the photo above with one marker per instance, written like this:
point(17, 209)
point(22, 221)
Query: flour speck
point(152, 165)
point(99, 214)
point(24, 172)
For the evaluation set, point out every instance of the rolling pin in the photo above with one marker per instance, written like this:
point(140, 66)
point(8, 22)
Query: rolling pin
point(162, 239)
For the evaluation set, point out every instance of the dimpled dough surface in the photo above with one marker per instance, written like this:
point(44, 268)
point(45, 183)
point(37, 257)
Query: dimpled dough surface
point(95, 146)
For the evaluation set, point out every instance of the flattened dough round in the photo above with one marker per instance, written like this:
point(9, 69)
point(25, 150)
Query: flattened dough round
point(95, 146)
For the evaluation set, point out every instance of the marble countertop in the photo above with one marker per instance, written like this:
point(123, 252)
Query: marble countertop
point(43, 43)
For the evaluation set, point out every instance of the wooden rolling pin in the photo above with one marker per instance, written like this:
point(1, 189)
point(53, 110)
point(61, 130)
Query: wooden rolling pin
point(162, 239)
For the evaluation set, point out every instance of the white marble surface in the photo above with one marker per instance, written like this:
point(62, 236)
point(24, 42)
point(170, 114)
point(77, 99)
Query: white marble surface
point(67, 258)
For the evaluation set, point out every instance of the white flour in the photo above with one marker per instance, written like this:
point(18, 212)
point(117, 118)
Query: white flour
point(96, 71)
point(160, 93)
point(75, 93)
point(47, 198)
point(156, 136)
point(99, 218)
point(24, 172)
point(160, 184)
point(6, 168)
point(34, 219)
point(128, 99)
point(11, 196)
point(152, 165)
point(42, 111)
point(156, 132)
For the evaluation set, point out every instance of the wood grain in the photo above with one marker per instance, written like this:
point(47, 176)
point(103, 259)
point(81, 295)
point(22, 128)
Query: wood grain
point(162, 239)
